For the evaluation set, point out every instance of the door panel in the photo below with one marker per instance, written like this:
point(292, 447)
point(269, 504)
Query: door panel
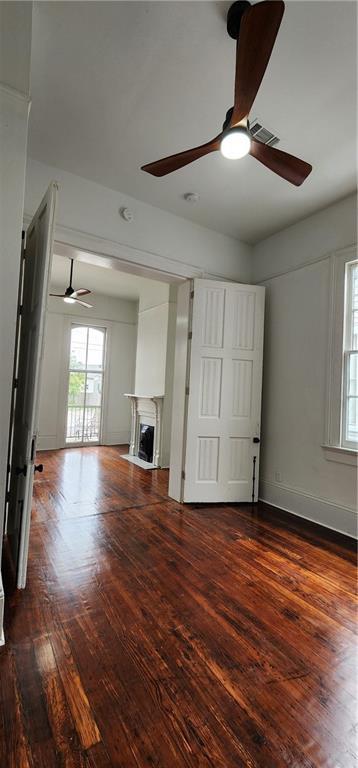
point(37, 267)
point(224, 403)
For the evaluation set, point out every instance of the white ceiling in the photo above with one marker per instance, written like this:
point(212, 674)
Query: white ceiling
point(119, 84)
point(106, 281)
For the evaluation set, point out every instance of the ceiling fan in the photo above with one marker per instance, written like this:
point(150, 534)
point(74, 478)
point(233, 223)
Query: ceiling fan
point(255, 28)
point(70, 296)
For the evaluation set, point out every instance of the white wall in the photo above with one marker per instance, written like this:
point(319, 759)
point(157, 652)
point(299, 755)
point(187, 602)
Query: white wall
point(152, 343)
point(120, 319)
point(15, 45)
point(155, 352)
point(294, 267)
point(154, 237)
point(15, 48)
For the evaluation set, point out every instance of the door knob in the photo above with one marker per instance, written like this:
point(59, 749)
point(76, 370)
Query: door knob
point(256, 440)
point(21, 470)
point(39, 468)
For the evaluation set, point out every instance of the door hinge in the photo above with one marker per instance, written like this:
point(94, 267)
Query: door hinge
point(191, 294)
point(183, 474)
point(187, 390)
point(190, 335)
point(16, 383)
point(7, 497)
point(21, 307)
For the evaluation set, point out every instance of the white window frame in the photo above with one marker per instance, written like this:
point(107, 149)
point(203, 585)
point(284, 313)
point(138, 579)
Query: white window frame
point(335, 449)
point(347, 351)
point(68, 322)
point(86, 370)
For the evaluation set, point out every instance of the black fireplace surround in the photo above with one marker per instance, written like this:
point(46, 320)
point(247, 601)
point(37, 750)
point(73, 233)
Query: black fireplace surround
point(146, 442)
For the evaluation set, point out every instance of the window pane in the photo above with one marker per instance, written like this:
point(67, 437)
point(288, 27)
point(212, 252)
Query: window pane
point(76, 389)
point(78, 347)
point(92, 422)
point(355, 286)
point(353, 374)
point(76, 397)
point(352, 420)
point(355, 329)
point(94, 389)
point(95, 348)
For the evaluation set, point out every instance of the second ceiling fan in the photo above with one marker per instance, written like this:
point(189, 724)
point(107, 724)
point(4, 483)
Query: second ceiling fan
point(255, 28)
point(70, 296)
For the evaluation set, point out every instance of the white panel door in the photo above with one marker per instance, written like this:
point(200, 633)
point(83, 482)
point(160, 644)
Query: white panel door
point(224, 401)
point(37, 266)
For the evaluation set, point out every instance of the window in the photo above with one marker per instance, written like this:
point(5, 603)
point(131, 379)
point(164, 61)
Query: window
point(85, 384)
point(350, 366)
point(341, 422)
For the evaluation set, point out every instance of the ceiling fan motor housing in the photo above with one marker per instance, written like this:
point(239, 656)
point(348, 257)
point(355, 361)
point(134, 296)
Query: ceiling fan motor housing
point(234, 17)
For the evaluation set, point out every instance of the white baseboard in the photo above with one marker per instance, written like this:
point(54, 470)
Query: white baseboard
point(51, 442)
point(329, 514)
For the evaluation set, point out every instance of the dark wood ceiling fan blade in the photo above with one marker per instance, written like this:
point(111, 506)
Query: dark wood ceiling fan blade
point(80, 292)
point(58, 295)
point(289, 167)
point(258, 30)
point(173, 162)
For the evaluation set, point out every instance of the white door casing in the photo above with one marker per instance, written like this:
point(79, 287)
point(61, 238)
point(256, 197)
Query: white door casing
point(39, 247)
point(224, 401)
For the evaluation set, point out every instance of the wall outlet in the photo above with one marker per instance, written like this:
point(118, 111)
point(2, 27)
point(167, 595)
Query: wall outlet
point(278, 477)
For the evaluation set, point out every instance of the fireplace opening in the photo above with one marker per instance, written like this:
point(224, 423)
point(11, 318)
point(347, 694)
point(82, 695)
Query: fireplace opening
point(146, 442)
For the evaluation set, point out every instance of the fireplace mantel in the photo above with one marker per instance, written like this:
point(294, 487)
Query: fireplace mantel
point(146, 409)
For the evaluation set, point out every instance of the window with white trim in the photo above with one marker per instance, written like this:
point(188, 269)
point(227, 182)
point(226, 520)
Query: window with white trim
point(341, 425)
point(350, 359)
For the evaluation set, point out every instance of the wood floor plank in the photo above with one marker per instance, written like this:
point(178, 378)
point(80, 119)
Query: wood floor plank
point(157, 635)
point(77, 700)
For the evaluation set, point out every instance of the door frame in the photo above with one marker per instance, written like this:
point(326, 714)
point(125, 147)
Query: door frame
point(99, 251)
point(46, 211)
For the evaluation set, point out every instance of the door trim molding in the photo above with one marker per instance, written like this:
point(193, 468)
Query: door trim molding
point(91, 248)
point(126, 257)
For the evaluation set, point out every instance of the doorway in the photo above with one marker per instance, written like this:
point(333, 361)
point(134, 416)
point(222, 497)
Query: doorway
point(149, 332)
point(86, 367)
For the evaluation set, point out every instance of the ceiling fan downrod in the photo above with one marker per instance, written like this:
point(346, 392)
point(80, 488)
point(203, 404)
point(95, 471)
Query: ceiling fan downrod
point(69, 291)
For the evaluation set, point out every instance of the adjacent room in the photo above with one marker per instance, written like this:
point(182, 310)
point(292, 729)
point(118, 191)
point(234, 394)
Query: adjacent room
point(102, 351)
point(178, 384)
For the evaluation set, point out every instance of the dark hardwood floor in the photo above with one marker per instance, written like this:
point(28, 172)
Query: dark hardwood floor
point(165, 636)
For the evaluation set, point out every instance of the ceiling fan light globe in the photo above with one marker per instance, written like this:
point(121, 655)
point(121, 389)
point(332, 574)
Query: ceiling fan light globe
point(235, 144)
point(68, 300)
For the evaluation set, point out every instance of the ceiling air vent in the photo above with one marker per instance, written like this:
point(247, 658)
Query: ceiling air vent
point(262, 134)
